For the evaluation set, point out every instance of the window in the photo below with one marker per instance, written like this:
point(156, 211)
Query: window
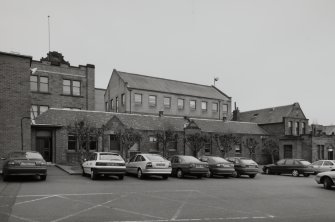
point(37, 110)
point(123, 99)
point(152, 139)
point(225, 108)
point(180, 104)
point(238, 150)
point(167, 102)
point(106, 106)
point(290, 128)
point(71, 87)
point(193, 104)
point(204, 106)
point(297, 128)
point(93, 143)
point(152, 100)
point(72, 142)
point(138, 98)
point(116, 105)
point(39, 83)
point(321, 152)
point(215, 107)
point(303, 128)
point(112, 105)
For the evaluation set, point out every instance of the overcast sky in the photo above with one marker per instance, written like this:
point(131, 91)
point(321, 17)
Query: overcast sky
point(265, 53)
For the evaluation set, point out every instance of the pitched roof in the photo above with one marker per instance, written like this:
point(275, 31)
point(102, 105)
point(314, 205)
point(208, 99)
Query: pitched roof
point(268, 115)
point(137, 81)
point(329, 130)
point(146, 122)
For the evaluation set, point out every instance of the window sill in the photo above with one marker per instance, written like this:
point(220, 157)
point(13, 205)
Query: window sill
point(38, 92)
point(71, 95)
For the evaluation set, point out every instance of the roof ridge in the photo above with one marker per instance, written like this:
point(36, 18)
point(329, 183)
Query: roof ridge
point(274, 107)
point(154, 77)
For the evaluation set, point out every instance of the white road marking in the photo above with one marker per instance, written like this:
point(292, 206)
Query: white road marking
point(29, 201)
point(17, 217)
point(133, 212)
point(180, 208)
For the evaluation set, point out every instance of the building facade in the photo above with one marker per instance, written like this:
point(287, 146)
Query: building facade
point(133, 93)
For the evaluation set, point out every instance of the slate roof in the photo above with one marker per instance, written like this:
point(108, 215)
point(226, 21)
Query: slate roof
point(268, 115)
point(137, 81)
point(146, 122)
point(329, 130)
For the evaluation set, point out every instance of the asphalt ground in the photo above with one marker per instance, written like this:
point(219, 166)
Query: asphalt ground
point(64, 197)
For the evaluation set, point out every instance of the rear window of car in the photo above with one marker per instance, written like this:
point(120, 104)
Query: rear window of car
point(25, 155)
point(155, 158)
point(246, 161)
point(189, 159)
point(304, 162)
point(109, 156)
point(217, 159)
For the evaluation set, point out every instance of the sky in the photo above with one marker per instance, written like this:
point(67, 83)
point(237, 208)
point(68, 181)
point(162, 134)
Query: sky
point(265, 53)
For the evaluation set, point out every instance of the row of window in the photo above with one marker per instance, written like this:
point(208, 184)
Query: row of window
point(41, 84)
point(296, 129)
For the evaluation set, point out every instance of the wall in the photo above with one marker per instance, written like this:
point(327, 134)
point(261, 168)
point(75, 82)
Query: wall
point(14, 102)
point(99, 99)
point(116, 88)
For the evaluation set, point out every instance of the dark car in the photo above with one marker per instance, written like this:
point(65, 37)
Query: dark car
point(244, 166)
point(218, 166)
point(188, 165)
point(24, 163)
point(295, 167)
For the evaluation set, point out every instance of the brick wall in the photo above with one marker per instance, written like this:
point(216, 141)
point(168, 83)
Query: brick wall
point(14, 102)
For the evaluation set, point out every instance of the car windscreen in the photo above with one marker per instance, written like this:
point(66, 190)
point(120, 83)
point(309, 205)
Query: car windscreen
point(246, 161)
point(109, 156)
point(25, 155)
point(155, 158)
point(217, 159)
point(304, 162)
point(189, 159)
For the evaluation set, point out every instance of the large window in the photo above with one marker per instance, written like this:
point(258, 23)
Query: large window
point(303, 128)
point(297, 128)
point(39, 83)
point(37, 110)
point(152, 100)
point(290, 128)
point(215, 107)
point(116, 105)
point(167, 102)
point(71, 87)
point(72, 142)
point(123, 99)
point(193, 104)
point(138, 98)
point(204, 106)
point(180, 104)
point(112, 105)
point(225, 108)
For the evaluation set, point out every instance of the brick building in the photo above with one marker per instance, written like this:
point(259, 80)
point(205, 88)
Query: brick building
point(66, 147)
point(287, 123)
point(14, 102)
point(133, 93)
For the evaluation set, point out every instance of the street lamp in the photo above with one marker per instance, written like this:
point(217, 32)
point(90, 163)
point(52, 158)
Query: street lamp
point(25, 117)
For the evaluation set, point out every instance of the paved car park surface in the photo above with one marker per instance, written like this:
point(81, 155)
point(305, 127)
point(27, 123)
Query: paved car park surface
point(64, 197)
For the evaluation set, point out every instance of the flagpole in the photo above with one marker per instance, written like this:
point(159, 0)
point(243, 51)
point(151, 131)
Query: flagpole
point(49, 34)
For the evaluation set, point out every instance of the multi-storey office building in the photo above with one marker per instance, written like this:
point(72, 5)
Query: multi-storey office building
point(133, 93)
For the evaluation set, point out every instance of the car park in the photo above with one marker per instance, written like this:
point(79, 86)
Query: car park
point(323, 166)
point(104, 163)
point(295, 167)
point(148, 164)
point(326, 178)
point(244, 166)
point(218, 166)
point(22, 163)
point(188, 165)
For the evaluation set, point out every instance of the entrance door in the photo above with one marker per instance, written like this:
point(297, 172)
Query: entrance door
point(43, 145)
point(288, 153)
point(330, 154)
point(114, 143)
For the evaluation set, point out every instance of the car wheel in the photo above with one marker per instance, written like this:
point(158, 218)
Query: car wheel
point(93, 175)
point(139, 174)
point(327, 183)
point(4, 177)
point(252, 175)
point(209, 174)
point(180, 173)
point(306, 174)
point(267, 171)
point(165, 177)
point(43, 177)
point(120, 177)
point(295, 173)
point(199, 177)
point(83, 173)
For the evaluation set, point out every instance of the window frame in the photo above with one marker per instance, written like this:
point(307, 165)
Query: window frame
point(39, 84)
point(136, 96)
point(37, 111)
point(123, 99)
point(169, 103)
point(150, 102)
point(202, 105)
point(73, 140)
point(195, 105)
point(71, 87)
point(178, 104)
point(215, 105)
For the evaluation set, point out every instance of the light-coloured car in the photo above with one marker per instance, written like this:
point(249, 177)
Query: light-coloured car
point(145, 164)
point(323, 166)
point(326, 178)
point(104, 163)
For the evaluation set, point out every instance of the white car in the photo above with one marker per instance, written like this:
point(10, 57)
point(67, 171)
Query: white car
point(104, 163)
point(323, 166)
point(149, 164)
point(326, 178)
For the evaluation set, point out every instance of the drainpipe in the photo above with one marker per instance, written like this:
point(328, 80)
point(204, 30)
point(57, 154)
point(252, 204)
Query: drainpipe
point(130, 100)
point(25, 117)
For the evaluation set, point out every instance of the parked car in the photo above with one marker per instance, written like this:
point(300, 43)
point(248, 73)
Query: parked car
point(24, 163)
point(323, 166)
point(188, 165)
point(218, 166)
point(244, 166)
point(290, 166)
point(326, 178)
point(145, 164)
point(104, 163)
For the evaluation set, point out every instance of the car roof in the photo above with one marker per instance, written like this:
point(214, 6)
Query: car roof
point(113, 153)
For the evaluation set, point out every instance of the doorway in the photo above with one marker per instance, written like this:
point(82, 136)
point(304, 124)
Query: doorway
point(330, 154)
point(288, 152)
point(43, 146)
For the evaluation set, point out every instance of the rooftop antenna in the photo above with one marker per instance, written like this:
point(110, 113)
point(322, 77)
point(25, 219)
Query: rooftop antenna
point(49, 35)
point(216, 79)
